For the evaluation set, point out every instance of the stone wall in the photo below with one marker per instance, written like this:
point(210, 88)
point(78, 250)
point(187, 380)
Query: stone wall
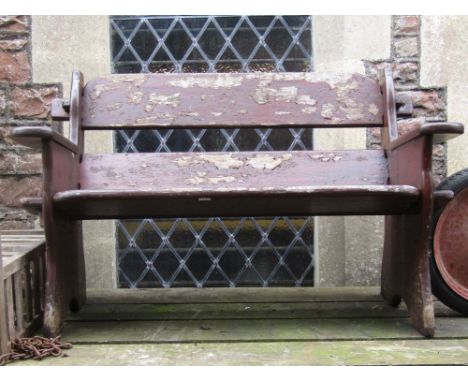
point(22, 102)
point(430, 103)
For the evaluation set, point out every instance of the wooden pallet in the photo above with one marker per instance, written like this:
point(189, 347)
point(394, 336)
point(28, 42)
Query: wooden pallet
point(22, 283)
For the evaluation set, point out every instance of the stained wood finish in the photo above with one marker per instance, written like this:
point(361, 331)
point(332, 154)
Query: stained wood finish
point(65, 285)
point(441, 131)
point(364, 200)
point(405, 267)
point(76, 91)
point(231, 100)
point(33, 136)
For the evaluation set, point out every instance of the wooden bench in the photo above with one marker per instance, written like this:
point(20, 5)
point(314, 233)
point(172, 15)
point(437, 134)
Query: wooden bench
point(395, 181)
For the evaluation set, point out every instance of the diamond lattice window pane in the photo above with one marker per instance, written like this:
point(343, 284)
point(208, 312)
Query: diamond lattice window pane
point(245, 251)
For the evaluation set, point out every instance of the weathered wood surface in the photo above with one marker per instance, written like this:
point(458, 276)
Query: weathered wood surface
point(265, 329)
point(277, 353)
point(230, 295)
point(218, 330)
point(353, 200)
point(243, 311)
point(21, 282)
point(265, 184)
point(241, 171)
point(231, 100)
point(65, 284)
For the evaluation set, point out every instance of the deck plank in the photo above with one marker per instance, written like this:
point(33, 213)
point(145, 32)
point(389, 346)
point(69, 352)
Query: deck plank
point(224, 295)
point(420, 352)
point(254, 330)
point(236, 311)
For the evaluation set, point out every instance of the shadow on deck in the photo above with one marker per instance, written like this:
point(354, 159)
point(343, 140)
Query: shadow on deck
point(251, 326)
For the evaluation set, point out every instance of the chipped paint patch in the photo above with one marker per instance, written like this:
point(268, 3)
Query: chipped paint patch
point(282, 112)
point(221, 161)
point(305, 100)
point(309, 110)
point(326, 157)
point(228, 161)
point(328, 110)
point(160, 99)
point(373, 109)
point(114, 106)
point(196, 180)
point(156, 118)
point(135, 97)
point(191, 114)
point(217, 113)
point(214, 82)
point(332, 79)
point(264, 95)
point(267, 161)
point(133, 79)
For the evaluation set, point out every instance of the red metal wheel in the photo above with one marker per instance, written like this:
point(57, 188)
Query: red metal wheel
point(451, 244)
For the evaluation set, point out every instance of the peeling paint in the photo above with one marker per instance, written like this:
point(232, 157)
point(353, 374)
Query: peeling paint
point(332, 79)
point(214, 82)
point(213, 180)
point(352, 110)
point(133, 79)
point(264, 95)
point(135, 97)
point(267, 161)
point(157, 118)
point(114, 106)
point(328, 110)
point(160, 99)
point(305, 100)
point(373, 109)
point(190, 114)
point(309, 110)
point(221, 161)
point(217, 113)
point(228, 161)
point(326, 157)
point(282, 112)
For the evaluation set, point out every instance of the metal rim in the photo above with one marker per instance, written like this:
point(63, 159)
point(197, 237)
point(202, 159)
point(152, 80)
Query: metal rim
point(451, 244)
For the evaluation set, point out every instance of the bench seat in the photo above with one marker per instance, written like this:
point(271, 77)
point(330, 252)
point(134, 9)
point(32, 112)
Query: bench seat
point(234, 184)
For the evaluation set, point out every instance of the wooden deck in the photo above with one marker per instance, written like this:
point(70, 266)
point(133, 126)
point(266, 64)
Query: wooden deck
point(281, 326)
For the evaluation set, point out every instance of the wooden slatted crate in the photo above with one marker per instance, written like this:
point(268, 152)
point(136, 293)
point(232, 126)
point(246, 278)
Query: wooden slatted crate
point(22, 268)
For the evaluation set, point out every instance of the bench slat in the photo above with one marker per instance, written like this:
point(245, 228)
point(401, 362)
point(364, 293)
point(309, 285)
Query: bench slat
point(231, 100)
point(338, 200)
point(179, 172)
point(234, 184)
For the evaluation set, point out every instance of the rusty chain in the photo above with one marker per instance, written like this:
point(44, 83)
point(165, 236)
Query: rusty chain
point(34, 348)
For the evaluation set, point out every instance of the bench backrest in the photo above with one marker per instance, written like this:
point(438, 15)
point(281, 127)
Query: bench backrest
point(203, 100)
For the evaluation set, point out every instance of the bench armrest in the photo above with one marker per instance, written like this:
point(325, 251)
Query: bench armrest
point(441, 130)
point(32, 136)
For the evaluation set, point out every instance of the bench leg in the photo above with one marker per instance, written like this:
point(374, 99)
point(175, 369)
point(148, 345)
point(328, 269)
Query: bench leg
point(405, 268)
point(65, 281)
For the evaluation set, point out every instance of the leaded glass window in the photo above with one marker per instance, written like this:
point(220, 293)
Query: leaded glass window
point(246, 251)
